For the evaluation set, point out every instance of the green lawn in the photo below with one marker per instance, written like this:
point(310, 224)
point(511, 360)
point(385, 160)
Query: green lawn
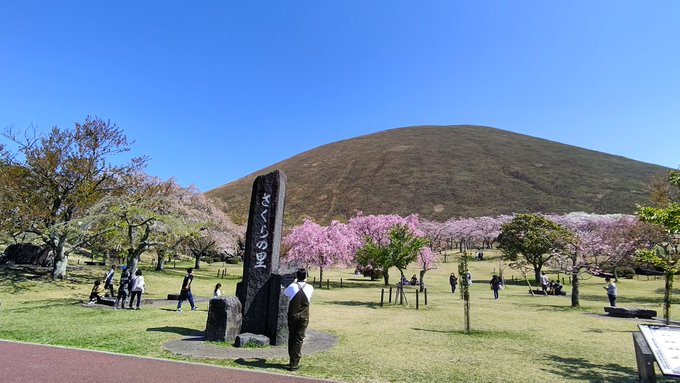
point(518, 338)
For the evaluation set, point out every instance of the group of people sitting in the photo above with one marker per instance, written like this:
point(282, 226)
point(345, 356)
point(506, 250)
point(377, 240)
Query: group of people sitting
point(405, 282)
point(555, 288)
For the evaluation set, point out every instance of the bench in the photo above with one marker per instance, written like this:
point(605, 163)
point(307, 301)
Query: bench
point(94, 263)
point(173, 297)
point(621, 312)
point(107, 301)
point(537, 292)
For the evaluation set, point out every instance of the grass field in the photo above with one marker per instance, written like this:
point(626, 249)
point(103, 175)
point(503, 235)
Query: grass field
point(519, 338)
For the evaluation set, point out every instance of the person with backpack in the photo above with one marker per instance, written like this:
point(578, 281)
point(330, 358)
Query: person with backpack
point(300, 293)
point(185, 293)
point(123, 289)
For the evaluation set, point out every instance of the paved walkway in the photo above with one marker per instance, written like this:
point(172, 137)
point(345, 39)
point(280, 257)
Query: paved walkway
point(29, 363)
point(315, 341)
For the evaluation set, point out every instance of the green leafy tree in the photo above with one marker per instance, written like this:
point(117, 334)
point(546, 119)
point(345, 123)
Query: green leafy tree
point(666, 214)
point(49, 182)
point(403, 248)
point(535, 237)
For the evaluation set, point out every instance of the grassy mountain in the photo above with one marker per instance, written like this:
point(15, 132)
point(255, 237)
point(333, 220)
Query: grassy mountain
point(441, 172)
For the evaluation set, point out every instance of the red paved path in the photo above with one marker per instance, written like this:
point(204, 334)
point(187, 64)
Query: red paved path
point(28, 363)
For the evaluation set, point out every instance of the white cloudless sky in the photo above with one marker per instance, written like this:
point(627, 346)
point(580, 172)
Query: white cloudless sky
point(215, 90)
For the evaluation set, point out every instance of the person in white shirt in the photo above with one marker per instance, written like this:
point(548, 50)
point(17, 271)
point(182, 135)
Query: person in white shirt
point(137, 288)
point(611, 291)
point(217, 293)
point(545, 282)
point(300, 294)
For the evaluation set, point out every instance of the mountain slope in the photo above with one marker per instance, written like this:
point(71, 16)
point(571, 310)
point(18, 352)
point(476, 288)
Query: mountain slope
point(441, 172)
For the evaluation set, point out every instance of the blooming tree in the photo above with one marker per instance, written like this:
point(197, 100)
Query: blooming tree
point(374, 231)
point(311, 244)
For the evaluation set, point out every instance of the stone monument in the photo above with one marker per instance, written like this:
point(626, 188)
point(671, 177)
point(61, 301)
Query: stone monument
point(224, 320)
point(260, 292)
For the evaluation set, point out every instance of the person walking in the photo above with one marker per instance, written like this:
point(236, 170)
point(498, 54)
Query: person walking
point(123, 289)
point(137, 288)
point(185, 293)
point(496, 284)
point(611, 291)
point(300, 294)
point(545, 282)
point(108, 280)
point(453, 281)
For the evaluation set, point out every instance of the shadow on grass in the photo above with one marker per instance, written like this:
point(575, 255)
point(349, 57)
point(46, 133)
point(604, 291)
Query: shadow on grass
point(45, 304)
point(564, 307)
point(370, 305)
point(487, 334)
point(623, 300)
point(436, 331)
point(260, 363)
point(13, 277)
point(585, 370)
point(177, 330)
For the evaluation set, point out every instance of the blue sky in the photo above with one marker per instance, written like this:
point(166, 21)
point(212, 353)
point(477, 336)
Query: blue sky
point(215, 90)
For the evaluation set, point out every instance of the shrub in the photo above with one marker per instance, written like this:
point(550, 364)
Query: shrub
point(625, 272)
point(232, 260)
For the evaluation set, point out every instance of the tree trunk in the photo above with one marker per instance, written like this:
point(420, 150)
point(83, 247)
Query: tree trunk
point(386, 277)
point(60, 263)
point(575, 284)
point(537, 274)
point(132, 261)
point(667, 296)
point(321, 277)
point(422, 280)
point(160, 265)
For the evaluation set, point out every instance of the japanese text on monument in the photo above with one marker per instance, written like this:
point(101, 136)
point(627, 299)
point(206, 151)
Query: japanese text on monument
point(263, 233)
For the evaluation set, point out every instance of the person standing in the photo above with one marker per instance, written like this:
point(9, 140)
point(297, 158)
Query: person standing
point(300, 294)
point(611, 291)
point(137, 288)
point(453, 281)
point(108, 280)
point(185, 293)
point(495, 285)
point(544, 283)
point(123, 289)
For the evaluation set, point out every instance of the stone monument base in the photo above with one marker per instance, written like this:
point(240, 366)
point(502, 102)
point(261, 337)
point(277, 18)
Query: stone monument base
point(224, 320)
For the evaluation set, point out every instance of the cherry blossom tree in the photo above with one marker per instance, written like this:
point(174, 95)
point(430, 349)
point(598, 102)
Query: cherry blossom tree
point(427, 261)
point(600, 241)
point(311, 244)
point(374, 231)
